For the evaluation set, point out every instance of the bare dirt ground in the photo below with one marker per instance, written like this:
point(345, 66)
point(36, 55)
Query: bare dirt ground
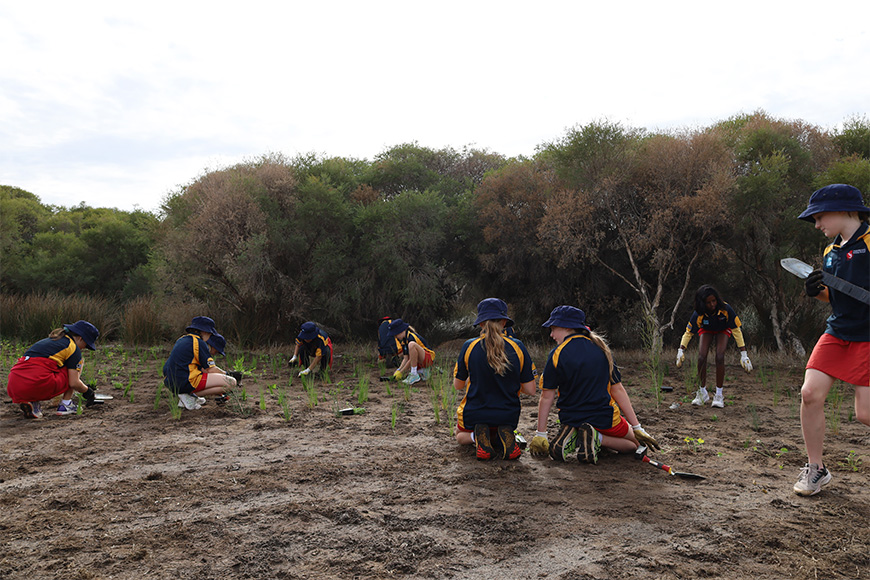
point(126, 491)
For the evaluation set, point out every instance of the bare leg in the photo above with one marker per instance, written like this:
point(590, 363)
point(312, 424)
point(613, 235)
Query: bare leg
point(813, 394)
point(416, 353)
point(721, 345)
point(463, 438)
point(216, 384)
point(862, 404)
point(704, 341)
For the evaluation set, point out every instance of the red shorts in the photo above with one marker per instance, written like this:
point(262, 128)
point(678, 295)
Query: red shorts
point(726, 331)
point(842, 359)
point(426, 362)
point(36, 379)
point(620, 430)
point(200, 382)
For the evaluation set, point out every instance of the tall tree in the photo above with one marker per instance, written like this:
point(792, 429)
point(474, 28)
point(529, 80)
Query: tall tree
point(657, 199)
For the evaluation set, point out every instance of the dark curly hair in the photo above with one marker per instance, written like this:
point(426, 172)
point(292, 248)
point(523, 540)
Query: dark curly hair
point(701, 296)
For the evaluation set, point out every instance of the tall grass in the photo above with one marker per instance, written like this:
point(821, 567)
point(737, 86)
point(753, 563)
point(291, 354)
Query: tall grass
point(141, 323)
point(33, 317)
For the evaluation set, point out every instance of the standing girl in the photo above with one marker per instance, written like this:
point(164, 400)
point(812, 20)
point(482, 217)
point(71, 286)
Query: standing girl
point(493, 370)
point(843, 351)
point(52, 367)
point(714, 321)
point(591, 395)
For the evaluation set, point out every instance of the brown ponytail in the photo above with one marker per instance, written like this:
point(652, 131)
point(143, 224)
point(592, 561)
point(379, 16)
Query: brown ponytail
point(57, 333)
point(601, 343)
point(494, 343)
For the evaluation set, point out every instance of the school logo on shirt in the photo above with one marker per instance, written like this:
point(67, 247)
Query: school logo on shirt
point(849, 255)
point(829, 261)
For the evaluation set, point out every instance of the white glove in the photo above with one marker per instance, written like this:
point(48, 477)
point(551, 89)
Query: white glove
point(304, 372)
point(680, 357)
point(294, 359)
point(745, 362)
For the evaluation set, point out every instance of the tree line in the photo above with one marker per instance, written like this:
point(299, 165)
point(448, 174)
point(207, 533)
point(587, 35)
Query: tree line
point(624, 222)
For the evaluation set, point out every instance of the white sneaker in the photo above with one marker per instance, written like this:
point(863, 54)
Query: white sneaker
point(200, 400)
point(189, 402)
point(718, 401)
point(811, 480)
point(425, 373)
point(412, 378)
point(700, 398)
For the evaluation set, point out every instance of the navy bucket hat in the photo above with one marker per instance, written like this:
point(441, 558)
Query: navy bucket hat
point(492, 309)
point(309, 331)
point(201, 323)
point(836, 197)
point(218, 342)
point(86, 330)
point(397, 327)
point(566, 317)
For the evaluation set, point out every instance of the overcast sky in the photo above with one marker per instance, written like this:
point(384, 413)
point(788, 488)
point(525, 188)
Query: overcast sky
point(117, 104)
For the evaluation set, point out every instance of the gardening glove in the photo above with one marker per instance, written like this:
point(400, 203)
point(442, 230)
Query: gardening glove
point(745, 362)
point(304, 372)
point(680, 357)
point(644, 438)
point(539, 447)
point(397, 376)
point(90, 397)
point(236, 375)
point(294, 359)
point(813, 283)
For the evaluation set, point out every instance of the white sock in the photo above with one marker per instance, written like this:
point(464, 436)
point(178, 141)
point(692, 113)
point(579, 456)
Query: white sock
point(719, 392)
point(66, 402)
point(413, 370)
point(472, 436)
point(704, 389)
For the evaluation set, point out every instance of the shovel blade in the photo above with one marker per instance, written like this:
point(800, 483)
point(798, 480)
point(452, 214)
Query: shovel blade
point(688, 475)
point(796, 267)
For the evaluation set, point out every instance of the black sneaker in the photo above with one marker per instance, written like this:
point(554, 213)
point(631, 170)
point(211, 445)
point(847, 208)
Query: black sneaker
point(564, 444)
point(223, 399)
point(509, 442)
point(590, 444)
point(484, 445)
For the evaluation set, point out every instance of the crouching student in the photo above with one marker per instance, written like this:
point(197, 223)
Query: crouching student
point(313, 349)
point(190, 371)
point(493, 370)
point(52, 367)
point(216, 346)
point(417, 357)
point(388, 346)
point(581, 370)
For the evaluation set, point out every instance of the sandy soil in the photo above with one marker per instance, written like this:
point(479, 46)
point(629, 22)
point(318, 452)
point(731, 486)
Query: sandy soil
point(127, 491)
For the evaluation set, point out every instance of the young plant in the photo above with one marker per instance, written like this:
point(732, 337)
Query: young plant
point(694, 444)
point(852, 463)
point(157, 396)
point(754, 421)
point(654, 365)
point(395, 411)
point(284, 403)
point(362, 388)
point(310, 391)
point(262, 399)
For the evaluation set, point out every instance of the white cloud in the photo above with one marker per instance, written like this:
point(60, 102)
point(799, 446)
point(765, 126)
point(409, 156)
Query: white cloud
point(117, 104)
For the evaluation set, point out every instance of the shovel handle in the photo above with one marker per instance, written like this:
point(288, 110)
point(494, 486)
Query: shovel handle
point(658, 464)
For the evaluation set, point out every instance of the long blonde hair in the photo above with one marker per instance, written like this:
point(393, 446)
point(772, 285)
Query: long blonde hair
point(494, 343)
point(601, 343)
point(57, 333)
